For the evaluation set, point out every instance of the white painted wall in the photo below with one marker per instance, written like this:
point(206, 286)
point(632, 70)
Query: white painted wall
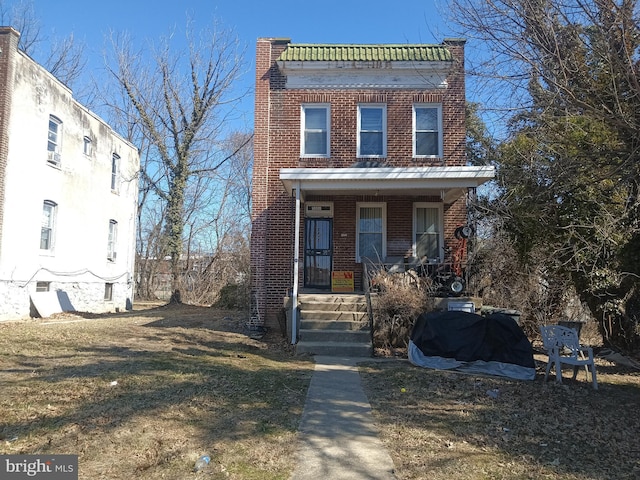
point(81, 187)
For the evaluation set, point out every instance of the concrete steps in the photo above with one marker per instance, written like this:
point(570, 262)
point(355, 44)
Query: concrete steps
point(334, 324)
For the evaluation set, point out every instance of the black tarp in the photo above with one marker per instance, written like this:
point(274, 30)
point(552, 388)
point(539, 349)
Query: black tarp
point(493, 344)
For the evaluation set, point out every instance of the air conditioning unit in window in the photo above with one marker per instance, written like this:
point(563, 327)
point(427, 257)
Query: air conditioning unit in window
point(53, 157)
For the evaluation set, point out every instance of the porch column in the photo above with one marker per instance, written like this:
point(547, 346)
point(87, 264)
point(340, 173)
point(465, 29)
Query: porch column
point(296, 273)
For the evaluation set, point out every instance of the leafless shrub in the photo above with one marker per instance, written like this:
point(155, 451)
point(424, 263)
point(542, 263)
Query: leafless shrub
point(535, 288)
point(401, 298)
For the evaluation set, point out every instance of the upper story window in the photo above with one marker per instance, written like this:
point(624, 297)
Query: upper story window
point(427, 130)
point(111, 243)
point(48, 223)
point(87, 146)
point(115, 167)
point(314, 135)
point(372, 130)
point(54, 140)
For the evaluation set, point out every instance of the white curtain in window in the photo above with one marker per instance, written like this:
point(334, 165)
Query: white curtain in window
point(370, 229)
point(427, 233)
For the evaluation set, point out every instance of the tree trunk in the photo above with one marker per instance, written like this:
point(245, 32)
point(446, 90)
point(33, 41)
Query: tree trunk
point(617, 312)
point(175, 226)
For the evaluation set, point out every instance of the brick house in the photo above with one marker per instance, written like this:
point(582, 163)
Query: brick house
point(359, 152)
point(68, 197)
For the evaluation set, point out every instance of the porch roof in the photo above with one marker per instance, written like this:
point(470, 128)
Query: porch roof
point(448, 183)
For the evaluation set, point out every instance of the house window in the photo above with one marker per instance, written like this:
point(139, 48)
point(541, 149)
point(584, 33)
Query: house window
point(427, 130)
point(111, 244)
point(115, 165)
point(108, 292)
point(54, 140)
point(372, 131)
point(48, 223)
point(371, 230)
point(87, 147)
point(43, 286)
point(315, 130)
point(427, 231)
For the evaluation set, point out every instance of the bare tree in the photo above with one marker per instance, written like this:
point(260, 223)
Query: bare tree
point(23, 18)
point(240, 174)
point(65, 58)
point(217, 233)
point(179, 99)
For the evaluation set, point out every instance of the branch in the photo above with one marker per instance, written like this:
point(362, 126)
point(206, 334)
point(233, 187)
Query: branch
point(221, 162)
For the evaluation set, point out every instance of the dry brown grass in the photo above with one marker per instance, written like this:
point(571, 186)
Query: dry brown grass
point(446, 426)
point(188, 382)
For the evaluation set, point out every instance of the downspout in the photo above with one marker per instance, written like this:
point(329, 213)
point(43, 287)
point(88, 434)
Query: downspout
point(296, 274)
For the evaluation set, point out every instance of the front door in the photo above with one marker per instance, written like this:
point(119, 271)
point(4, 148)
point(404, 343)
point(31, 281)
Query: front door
point(318, 252)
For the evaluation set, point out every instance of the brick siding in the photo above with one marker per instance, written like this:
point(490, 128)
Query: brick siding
point(8, 48)
point(277, 145)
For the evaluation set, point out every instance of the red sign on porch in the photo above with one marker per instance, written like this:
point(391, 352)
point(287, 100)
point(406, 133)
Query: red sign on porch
point(342, 281)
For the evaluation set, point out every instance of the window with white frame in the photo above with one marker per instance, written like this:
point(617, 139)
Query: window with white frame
point(371, 231)
point(111, 244)
point(428, 231)
point(48, 224)
point(87, 146)
point(43, 286)
point(427, 130)
point(315, 130)
point(115, 166)
point(372, 130)
point(54, 140)
point(108, 292)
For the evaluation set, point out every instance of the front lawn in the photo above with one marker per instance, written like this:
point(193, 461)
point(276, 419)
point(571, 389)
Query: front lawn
point(443, 425)
point(144, 394)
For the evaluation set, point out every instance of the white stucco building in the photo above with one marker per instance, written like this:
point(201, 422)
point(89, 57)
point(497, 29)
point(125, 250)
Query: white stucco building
point(68, 196)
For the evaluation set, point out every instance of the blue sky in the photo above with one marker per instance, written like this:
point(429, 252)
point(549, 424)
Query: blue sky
point(330, 21)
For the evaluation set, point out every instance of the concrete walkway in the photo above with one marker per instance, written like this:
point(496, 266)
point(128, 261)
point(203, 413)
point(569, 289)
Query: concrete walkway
point(337, 437)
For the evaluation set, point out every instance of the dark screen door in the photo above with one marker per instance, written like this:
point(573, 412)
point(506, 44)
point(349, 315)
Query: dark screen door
point(317, 252)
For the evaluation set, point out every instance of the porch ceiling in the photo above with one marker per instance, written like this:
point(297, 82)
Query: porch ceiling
point(449, 183)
